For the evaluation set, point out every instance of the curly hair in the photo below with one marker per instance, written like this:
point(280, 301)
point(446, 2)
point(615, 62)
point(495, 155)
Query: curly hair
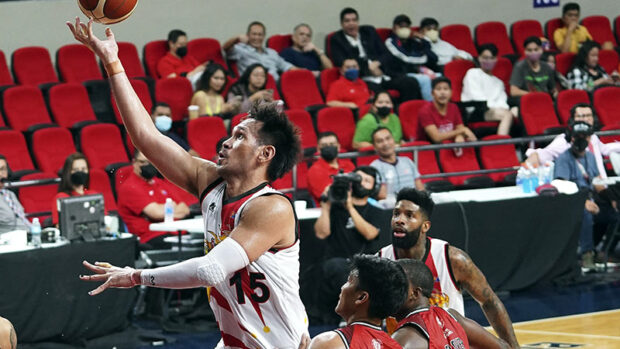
point(420, 198)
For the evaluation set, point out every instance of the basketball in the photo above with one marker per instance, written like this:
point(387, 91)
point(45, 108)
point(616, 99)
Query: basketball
point(108, 11)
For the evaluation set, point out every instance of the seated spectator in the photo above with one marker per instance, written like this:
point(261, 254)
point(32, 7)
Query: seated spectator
point(250, 88)
point(445, 51)
point(160, 114)
point(12, 216)
point(586, 74)
point(176, 62)
point(561, 82)
point(531, 74)
point(8, 337)
point(249, 48)
point(380, 114)
point(208, 96)
point(349, 90)
point(571, 35)
point(141, 199)
point(440, 120)
point(480, 84)
point(413, 52)
point(397, 172)
point(319, 174)
point(377, 66)
point(304, 53)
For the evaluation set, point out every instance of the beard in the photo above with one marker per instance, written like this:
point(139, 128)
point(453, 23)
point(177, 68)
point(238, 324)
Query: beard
point(409, 240)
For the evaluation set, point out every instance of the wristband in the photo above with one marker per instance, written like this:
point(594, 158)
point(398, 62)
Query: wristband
point(114, 68)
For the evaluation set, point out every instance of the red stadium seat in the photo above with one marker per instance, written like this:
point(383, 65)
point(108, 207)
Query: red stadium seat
point(459, 35)
point(13, 147)
point(206, 49)
point(299, 89)
point(408, 114)
point(303, 121)
point(564, 61)
point(102, 145)
point(384, 33)
point(286, 182)
point(32, 66)
point(340, 121)
point(229, 82)
point(327, 77)
point(607, 105)
point(617, 28)
point(128, 54)
point(455, 71)
point(610, 138)
point(153, 52)
point(279, 42)
point(272, 85)
point(452, 163)
point(50, 148)
point(24, 107)
point(498, 156)
point(608, 59)
point(142, 90)
point(567, 99)
point(5, 73)
point(100, 182)
point(538, 114)
point(521, 30)
point(427, 160)
point(177, 92)
point(236, 120)
point(503, 70)
point(495, 33)
point(366, 159)
point(38, 198)
point(203, 134)
point(550, 28)
point(600, 29)
point(76, 63)
point(328, 45)
point(69, 104)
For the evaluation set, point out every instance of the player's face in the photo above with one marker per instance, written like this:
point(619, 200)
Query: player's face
point(348, 295)
point(256, 36)
point(384, 143)
point(407, 223)
point(442, 93)
point(240, 151)
point(302, 36)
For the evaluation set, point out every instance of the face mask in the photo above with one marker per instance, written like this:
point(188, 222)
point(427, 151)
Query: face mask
point(534, 56)
point(579, 145)
point(408, 240)
point(403, 33)
point(383, 111)
point(148, 171)
point(432, 35)
point(329, 153)
point(182, 51)
point(79, 178)
point(488, 65)
point(358, 191)
point(352, 74)
point(163, 123)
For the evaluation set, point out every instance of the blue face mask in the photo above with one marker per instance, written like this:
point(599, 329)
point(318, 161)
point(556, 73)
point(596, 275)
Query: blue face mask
point(352, 74)
point(163, 123)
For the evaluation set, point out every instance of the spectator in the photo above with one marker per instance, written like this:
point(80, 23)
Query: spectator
point(440, 120)
point(349, 90)
point(160, 114)
point(480, 84)
point(380, 114)
point(251, 87)
point(304, 53)
point(319, 175)
point(12, 216)
point(249, 48)
point(561, 82)
point(377, 66)
point(586, 74)
point(569, 37)
point(397, 172)
point(141, 199)
point(531, 74)
point(413, 52)
point(208, 96)
point(176, 62)
point(445, 51)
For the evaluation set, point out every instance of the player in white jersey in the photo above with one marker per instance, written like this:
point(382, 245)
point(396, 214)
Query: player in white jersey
point(252, 261)
point(452, 268)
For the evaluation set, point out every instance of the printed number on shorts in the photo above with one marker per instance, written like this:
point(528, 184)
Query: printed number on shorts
point(255, 283)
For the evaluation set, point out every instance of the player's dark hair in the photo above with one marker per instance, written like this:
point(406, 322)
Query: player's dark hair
point(384, 280)
point(345, 11)
point(326, 134)
point(418, 274)
point(420, 198)
point(205, 79)
point(257, 23)
point(66, 186)
point(159, 104)
point(279, 131)
point(439, 80)
point(427, 22)
point(490, 47)
point(532, 39)
point(380, 128)
point(570, 6)
point(174, 35)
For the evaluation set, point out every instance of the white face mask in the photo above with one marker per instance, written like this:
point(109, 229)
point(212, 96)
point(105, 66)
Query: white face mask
point(403, 32)
point(432, 35)
point(163, 123)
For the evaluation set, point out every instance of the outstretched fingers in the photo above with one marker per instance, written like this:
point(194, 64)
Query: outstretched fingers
point(100, 289)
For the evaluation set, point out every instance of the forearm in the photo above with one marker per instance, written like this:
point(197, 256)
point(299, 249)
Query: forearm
point(498, 317)
point(326, 63)
point(567, 42)
point(230, 43)
point(340, 104)
point(517, 92)
point(367, 230)
point(322, 227)
point(439, 137)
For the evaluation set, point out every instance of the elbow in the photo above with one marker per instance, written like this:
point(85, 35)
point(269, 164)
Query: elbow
point(371, 235)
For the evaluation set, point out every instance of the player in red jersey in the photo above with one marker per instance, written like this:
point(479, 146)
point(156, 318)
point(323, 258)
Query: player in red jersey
point(376, 288)
point(422, 325)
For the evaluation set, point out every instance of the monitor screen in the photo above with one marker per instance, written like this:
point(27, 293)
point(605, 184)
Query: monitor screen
point(81, 217)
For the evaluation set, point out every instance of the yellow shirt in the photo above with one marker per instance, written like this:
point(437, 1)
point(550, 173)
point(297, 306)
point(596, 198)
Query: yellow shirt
point(578, 36)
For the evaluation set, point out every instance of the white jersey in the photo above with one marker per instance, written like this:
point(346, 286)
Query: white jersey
point(257, 306)
point(446, 293)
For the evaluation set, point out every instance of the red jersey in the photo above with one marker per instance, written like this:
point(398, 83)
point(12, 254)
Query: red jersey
point(362, 335)
point(169, 64)
point(429, 115)
point(344, 90)
point(438, 326)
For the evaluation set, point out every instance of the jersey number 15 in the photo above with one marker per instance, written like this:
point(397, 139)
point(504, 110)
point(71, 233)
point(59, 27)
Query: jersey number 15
point(255, 283)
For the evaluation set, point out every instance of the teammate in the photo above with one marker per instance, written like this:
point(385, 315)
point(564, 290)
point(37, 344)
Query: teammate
point(422, 325)
point(251, 240)
point(452, 268)
point(376, 288)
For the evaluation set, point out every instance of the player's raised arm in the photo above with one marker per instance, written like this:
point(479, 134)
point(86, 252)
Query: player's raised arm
point(169, 158)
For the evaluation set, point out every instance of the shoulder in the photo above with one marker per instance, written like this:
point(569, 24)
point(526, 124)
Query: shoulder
point(459, 259)
point(200, 94)
point(326, 340)
point(274, 205)
point(59, 195)
point(473, 73)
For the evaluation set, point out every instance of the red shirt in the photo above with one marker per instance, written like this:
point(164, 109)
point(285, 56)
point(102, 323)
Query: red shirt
point(439, 327)
point(429, 115)
point(62, 195)
point(169, 64)
point(361, 335)
point(319, 175)
point(345, 90)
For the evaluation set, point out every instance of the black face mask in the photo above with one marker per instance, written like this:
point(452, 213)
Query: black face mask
point(383, 111)
point(579, 145)
point(182, 51)
point(148, 171)
point(79, 178)
point(358, 191)
point(410, 239)
point(329, 153)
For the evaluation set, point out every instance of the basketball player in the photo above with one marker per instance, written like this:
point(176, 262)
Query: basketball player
point(8, 338)
point(422, 325)
point(376, 288)
point(251, 240)
point(452, 268)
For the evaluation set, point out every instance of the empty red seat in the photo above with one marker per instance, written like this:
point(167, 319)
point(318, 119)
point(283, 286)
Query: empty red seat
point(408, 114)
point(607, 105)
point(303, 121)
point(128, 55)
point(206, 49)
point(521, 30)
point(142, 90)
point(384, 33)
point(13, 147)
point(272, 85)
point(69, 104)
point(455, 71)
point(503, 70)
point(537, 113)
point(567, 99)
point(286, 182)
point(279, 42)
point(494, 33)
point(76, 63)
point(102, 145)
point(50, 148)
point(608, 59)
point(100, 182)
point(599, 28)
point(498, 156)
point(459, 35)
point(427, 160)
point(327, 77)
point(299, 89)
point(5, 73)
point(177, 92)
point(24, 107)
point(32, 66)
point(452, 163)
point(550, 28)
point(564, 61)
point(203, 134)
point(38, 198)
point(153, 52)
point(340, 121)
point(236, 120)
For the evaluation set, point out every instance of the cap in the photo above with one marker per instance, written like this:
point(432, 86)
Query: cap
point(402, 19)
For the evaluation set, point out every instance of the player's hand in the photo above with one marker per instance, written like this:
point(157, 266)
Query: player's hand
point(305, 341)
point(111, 276)
point(106, 50)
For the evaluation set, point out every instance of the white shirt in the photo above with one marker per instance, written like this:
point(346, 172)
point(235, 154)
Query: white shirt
point(480, 86)
point(356, 42)
point(445, 52)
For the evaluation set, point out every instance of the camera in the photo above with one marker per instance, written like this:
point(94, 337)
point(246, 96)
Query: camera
point(339, 190)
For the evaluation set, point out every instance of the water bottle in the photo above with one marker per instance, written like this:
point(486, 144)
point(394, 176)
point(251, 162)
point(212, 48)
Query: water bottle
point(534, 179)
point(35, 233)
point(527, 181)
point(520, 178)
point(168, 211)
